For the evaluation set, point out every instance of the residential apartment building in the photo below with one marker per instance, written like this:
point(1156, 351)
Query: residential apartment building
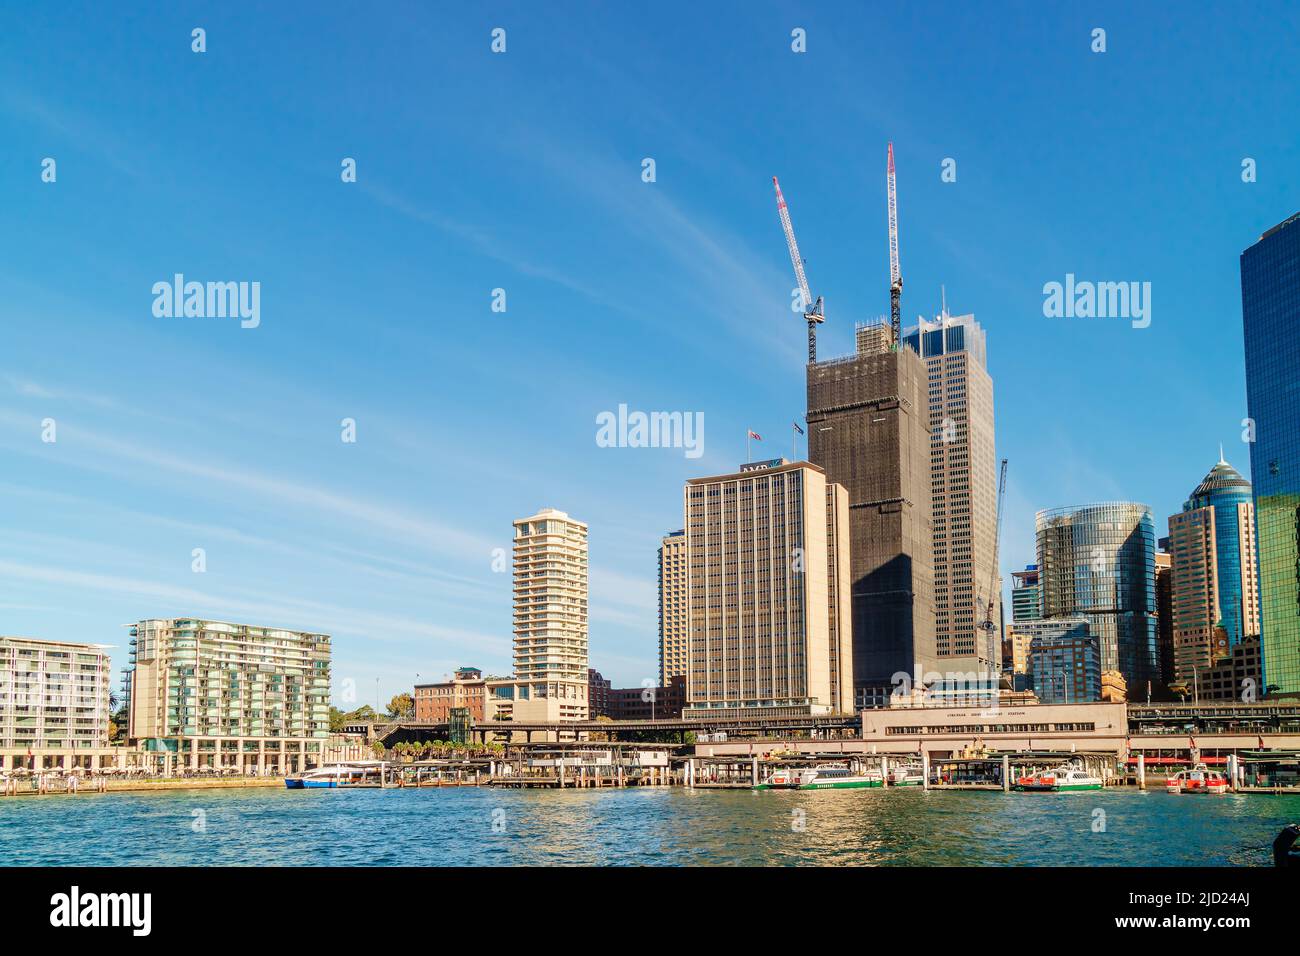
point(54, 701)
point(672, 607)
point(467, 690)
point(1270, 308)
point(550, 578)
point(550, 614)
point(1214, 585)
point(767, 570)
point(216, 694)
point(963, 490)
point(868, 429)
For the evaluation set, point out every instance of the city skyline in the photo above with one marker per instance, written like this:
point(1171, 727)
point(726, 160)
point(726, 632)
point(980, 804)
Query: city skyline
point(179, 434)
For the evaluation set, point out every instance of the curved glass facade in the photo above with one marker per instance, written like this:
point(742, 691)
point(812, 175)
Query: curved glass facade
point(1098, 561)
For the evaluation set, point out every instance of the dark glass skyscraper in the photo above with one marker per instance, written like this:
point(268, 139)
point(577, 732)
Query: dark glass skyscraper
point(1270, 309)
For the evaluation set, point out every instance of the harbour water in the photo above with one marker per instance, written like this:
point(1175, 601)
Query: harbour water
point(643, 826)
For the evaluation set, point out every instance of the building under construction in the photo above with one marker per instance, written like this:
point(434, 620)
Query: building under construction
point(868, 428)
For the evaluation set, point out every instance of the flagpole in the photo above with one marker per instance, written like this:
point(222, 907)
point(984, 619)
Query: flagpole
point(748, 455)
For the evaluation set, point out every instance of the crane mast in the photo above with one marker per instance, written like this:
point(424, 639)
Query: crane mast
point(895, 275)
point(988, 625)
point(813, 311)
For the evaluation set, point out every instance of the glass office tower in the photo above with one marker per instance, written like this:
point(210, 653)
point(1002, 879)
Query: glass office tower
point(1270, 309)
point(1098, 561)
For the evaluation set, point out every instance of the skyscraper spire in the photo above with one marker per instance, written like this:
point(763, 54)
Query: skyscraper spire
point(1221, 461)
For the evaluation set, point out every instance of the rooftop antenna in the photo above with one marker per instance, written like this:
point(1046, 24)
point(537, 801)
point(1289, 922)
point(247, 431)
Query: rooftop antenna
point(1221, 461)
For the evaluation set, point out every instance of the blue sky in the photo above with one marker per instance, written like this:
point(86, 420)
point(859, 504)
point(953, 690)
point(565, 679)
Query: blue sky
point(522, 171)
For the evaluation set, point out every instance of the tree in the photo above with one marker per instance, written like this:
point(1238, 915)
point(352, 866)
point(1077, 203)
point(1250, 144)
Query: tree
point(402, 705)
point(378, 747)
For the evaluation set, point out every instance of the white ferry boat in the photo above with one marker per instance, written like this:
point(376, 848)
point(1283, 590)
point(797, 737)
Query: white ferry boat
point(836, 777)
point(1069, 776)
point(358, 773)
point(910, 774)
point(1200, 779)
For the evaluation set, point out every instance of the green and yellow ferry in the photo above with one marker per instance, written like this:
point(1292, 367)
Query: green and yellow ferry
point(835, 777)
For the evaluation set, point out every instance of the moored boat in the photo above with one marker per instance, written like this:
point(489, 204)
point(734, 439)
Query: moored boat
point(1200, 779)
point(1069, 776)
point(359, 773)
point(836, 777)
point(910, 774)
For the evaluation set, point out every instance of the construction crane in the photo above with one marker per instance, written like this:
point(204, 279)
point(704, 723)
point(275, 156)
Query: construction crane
point(987, 625)
point(814, 313)
point(895, 275)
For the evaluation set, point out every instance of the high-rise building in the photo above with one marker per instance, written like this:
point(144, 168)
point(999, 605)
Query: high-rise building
point(868, 428)
point(1270, 307)
point(672, 607)
point(1098, 561)
point(766, 563)
point(1214, 586)
point(1066, 659)
point(1026, 594)
point(215, 694)
point(963, 490)
point(1165, 612)
point(551, 681)
point(550, 597)
point(53, 697)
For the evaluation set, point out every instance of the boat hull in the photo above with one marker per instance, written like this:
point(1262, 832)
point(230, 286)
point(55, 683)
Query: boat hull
point(1055, 787)
point(824, 785)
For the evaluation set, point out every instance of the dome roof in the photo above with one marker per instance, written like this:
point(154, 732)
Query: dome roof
point(1222, 478)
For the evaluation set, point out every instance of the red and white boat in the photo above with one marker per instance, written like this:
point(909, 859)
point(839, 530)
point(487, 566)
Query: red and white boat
point(1200, 779)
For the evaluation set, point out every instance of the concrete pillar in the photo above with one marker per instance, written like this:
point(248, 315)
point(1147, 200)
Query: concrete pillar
point(753, 771)
point(561, 763)
point(261, 757)
point(194, 754)
point(925, 769)
point(1006, 773)
point(1142, 771)
point(1232, 771)
point(884, 770)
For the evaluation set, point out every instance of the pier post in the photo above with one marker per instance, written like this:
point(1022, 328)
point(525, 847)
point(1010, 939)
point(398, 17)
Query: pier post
point(884, 770)
point(1006, 773)
point(1142, 771)
point(561, 763)
point(925, 769)
point(753, 771)
point(1232, 772)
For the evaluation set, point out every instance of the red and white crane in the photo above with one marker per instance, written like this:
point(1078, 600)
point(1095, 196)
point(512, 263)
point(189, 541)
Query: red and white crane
point(813, 311)
point(895, 274)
